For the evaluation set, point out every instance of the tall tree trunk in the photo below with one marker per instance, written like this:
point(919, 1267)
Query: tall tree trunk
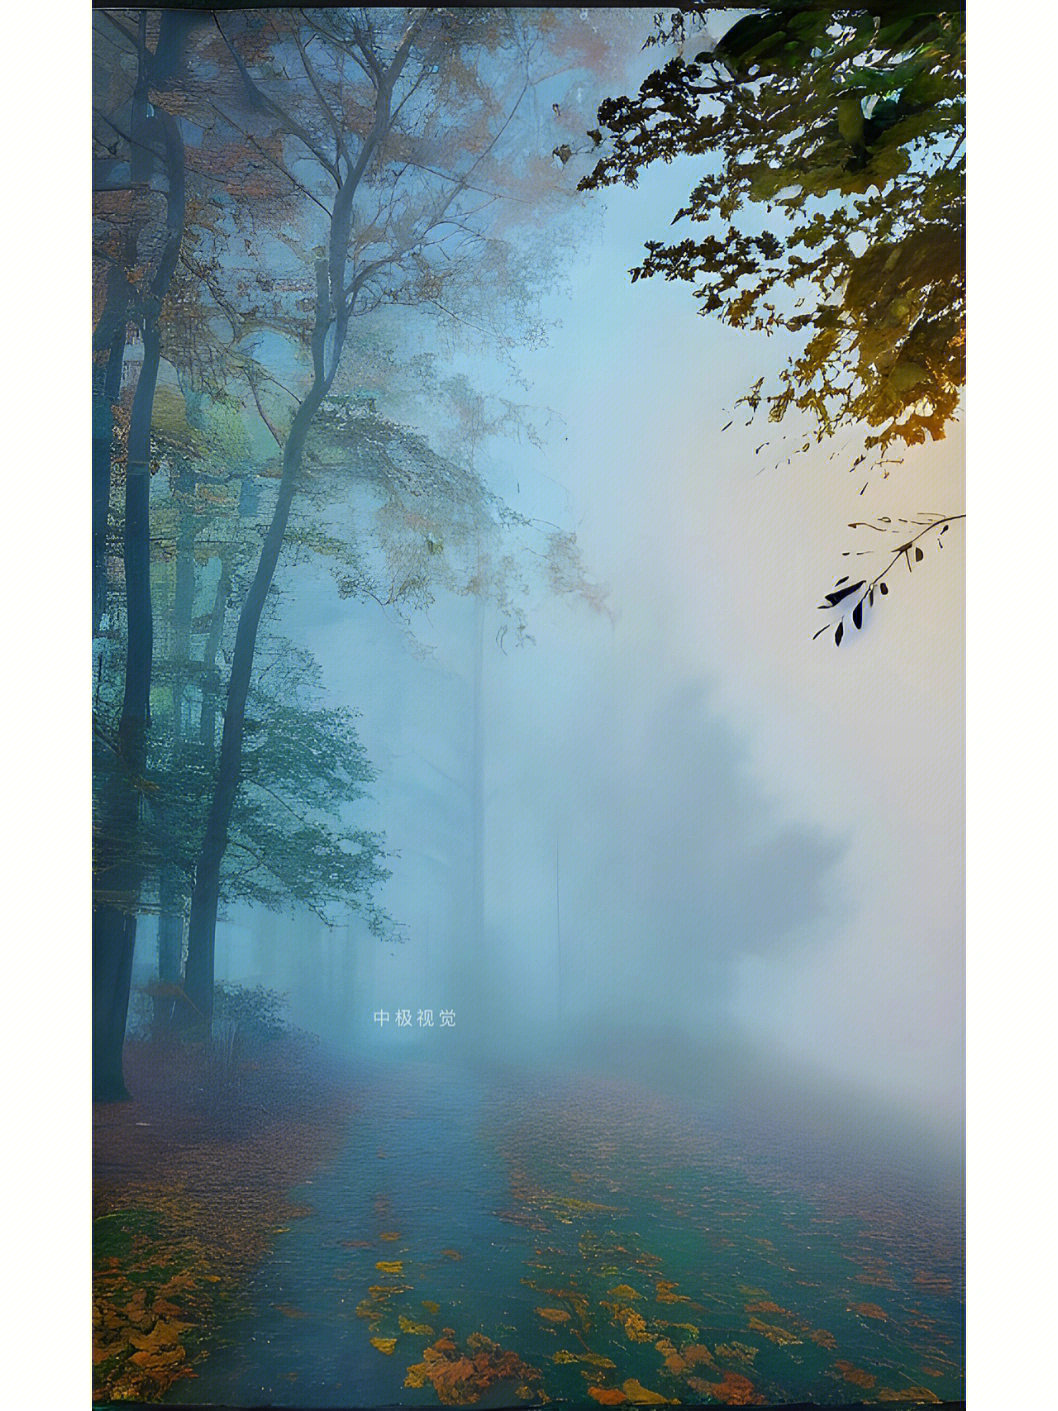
point(113, 940)
point(135, 710)
point(477, 799)
point(205, 896)
point(207, 722)
point(183, 598)
point(120, 874)
point(104, 394)
point(170, 949)
point(120, 878)
point(171, 898)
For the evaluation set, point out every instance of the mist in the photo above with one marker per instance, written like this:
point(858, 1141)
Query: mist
point(502, 741)
point(699, 827)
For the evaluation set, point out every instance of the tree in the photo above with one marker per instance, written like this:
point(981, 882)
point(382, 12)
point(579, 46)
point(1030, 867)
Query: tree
point(336, 167)
point(845, 128)
point(391, 130)
point(140, 248)
point(832, 203)
point(292, 838)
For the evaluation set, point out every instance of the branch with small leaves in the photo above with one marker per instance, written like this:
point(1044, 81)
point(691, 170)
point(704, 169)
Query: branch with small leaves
point(863, 590)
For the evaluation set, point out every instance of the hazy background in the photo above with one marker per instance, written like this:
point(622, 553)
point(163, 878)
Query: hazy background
point(704, 833)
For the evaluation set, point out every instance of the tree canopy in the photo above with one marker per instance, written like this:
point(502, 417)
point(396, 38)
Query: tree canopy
point(831, 202)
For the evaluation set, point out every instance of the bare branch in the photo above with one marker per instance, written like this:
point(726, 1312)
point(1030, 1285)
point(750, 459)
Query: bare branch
point(295, 128)
point(255, 144)
point(333, 122)
point(276, 437)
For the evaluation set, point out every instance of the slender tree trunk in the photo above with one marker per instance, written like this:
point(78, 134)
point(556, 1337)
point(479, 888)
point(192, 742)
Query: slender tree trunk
point(121, 870)
point(113, 940)
point(170, 936)
point(114, 922)
point(477, 798)
point(135, 710)
point(171, 892)
point(104, 395)
point(207, 722)
point(170, 950)
point(183, 600)
point(201, 944)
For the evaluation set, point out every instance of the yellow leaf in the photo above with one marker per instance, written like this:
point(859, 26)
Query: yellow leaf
point(554, 1315)
point(635, 1392)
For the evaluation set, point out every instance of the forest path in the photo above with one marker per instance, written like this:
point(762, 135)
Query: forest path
point(413, 1190)
point(487, 1237)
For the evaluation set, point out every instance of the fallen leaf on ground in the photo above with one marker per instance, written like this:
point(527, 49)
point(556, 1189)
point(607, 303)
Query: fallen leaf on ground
point(638, 1393)
point(855, 1375)
point(869, 1310)
point(461, 1377)
point(781, 1336)
point(163, 1334)
point(734, 1390)
point(414, 1329)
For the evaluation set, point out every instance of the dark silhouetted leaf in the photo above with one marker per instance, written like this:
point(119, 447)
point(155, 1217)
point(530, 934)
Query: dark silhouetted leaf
point(883, 588)
point(857, 615)
point(918, 555)
point(839, 634)
point(834, 598)
point(841, 580)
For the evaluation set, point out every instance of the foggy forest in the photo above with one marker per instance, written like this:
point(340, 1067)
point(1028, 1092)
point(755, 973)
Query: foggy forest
point(527, 706)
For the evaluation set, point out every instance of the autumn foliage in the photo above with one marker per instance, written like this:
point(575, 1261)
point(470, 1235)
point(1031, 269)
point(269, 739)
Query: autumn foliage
point(190, 1188)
